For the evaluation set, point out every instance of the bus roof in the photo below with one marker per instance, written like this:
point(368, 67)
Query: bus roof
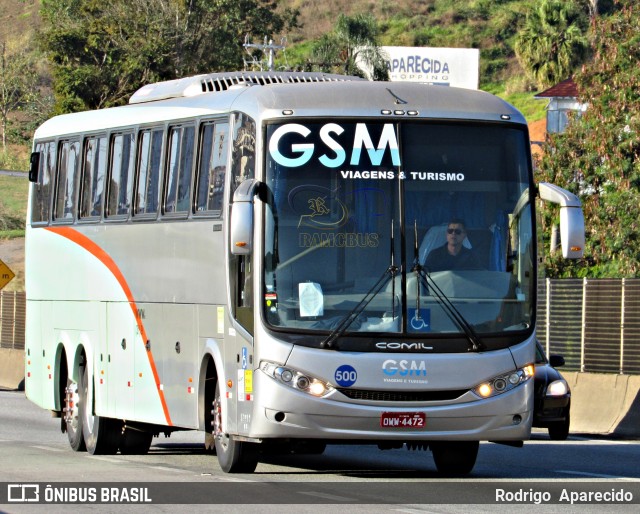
point(326, 96)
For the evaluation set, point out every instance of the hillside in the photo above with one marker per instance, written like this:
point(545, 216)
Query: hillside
point(484, 24)
point(18, 19)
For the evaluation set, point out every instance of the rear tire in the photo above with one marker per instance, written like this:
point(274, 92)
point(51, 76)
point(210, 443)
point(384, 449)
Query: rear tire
point(101, 435)
point(233, 456)
point(455, 458)
point(73, 405)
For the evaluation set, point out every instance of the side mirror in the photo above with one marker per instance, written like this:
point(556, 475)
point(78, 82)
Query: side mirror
point(571, 219)
point(34, 167)
point(241, 226)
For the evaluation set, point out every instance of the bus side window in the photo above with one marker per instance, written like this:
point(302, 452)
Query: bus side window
point(121, 167)
point(65, 193)
point(41, 197)
point(214, 138)
point(149, 161)
point(93, 173)
point(179, 167)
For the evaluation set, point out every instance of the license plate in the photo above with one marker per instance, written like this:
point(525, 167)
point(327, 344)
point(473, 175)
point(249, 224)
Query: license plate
point(403, 420)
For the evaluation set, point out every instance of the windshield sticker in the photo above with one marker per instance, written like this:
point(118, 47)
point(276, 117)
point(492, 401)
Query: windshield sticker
point(311, 299)
point(420, 320)
point(320, 209)
point(294, 145)
point(299, 154)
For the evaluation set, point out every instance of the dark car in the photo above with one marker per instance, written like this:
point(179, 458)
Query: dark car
point(552, 396)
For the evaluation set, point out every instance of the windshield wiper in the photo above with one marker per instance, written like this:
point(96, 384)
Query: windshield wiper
point(424, 278)
point(353, 314)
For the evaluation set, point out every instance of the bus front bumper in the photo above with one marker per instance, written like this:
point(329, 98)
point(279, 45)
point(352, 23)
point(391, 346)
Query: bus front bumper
point(281, 412)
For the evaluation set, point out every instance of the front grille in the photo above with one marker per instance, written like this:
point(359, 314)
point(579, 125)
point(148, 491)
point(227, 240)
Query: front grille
point(401, 396)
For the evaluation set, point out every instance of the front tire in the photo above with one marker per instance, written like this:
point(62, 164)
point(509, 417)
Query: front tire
point(455, 458)
point(559, 431)
point(233, 456)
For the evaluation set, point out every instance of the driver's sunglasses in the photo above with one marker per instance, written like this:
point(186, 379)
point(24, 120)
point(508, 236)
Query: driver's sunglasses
point(455, 231)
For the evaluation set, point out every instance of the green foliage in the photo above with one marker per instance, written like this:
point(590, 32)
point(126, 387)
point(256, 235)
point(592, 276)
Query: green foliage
point(553, 41)
point(101, 52)
point(598, 157)
point(354, 39)
point(18, 86)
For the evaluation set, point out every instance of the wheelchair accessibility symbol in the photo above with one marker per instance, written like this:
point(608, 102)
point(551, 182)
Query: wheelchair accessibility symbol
point(419, 321)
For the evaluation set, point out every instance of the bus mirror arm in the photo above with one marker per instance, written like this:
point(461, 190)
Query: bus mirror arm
point(241, 227)
point(571, 219)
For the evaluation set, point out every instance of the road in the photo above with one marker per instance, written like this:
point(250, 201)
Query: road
point(14, 173)
point(32, 450)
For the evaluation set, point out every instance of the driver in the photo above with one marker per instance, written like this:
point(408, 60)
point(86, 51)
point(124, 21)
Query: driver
point(452, 255)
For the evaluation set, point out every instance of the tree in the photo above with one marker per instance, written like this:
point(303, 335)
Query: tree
point(101, 52)
point(552, 43)
point(598, 157)
point(352, 43)
point(17, 85)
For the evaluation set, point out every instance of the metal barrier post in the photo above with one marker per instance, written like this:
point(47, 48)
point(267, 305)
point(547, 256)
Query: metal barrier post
point(584, 322)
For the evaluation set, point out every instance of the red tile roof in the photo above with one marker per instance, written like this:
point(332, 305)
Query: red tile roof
point(565, 89)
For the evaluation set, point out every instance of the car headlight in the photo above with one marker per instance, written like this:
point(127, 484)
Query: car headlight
point(296, 379)
point(503, 383)
point(557, 388)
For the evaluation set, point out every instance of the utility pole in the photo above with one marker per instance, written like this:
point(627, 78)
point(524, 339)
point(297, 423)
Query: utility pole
point(267, 48)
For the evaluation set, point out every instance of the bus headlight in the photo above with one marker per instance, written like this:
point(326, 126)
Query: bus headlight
point(296, 379)
point(506, 382)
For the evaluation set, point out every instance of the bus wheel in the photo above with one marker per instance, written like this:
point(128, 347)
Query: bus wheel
point(73, 420)
point(135, 442)
point(455, 458)
point(233, 456)
point(101, 435)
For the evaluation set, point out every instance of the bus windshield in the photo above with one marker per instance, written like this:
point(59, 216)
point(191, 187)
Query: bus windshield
point(381, 226)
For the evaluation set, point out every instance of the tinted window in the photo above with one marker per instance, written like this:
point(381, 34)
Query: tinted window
point(65, 198)
point(180, 163)
point(41, 190)
point(149, 160)
point(213, 167)
point(121, 175)
point(95, 160)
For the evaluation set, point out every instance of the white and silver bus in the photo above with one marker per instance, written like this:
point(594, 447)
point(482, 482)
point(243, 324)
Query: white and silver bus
point(247, 255)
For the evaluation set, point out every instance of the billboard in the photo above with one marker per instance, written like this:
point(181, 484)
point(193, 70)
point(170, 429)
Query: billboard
point(456, 67)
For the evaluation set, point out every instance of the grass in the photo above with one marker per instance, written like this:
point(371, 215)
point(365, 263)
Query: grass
point(532, 109)
point(13, 206)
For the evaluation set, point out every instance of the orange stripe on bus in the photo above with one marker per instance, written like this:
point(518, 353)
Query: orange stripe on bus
point(105, 258)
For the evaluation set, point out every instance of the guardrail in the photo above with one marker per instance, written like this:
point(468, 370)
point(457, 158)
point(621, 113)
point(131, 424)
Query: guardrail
point(593, 323)
point(13, 313)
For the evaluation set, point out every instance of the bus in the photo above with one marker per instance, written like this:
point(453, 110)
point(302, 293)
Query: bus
point(245, 254)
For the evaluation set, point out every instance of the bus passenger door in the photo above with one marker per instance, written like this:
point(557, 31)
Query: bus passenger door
point(238, 352)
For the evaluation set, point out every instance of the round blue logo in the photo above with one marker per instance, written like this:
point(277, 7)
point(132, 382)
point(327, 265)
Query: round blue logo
point(346, 376)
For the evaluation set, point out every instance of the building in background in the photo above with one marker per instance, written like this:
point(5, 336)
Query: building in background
point(563, 98)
